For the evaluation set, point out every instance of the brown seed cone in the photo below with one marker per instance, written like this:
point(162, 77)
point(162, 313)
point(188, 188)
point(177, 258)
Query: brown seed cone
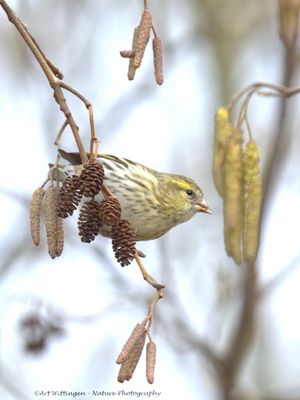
point(138, 331)
point(110, 211)
point(35, 214)
point(91, 178)
point(123, 242)
point(53, 223)
point(142, 38)
point(158, 60)
point(88, 221)
point(252, 190)
point(233, 197)
point(69, 196)
point(129, 365)
point(150, 361)
point(131, 67)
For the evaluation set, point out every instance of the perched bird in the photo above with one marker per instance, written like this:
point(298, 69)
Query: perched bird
point(152, 201)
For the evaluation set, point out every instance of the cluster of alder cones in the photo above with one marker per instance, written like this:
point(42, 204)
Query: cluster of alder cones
point(59, 202)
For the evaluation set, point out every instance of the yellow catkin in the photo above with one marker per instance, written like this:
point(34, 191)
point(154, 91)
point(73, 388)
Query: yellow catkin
point(233, 191)
point(53, 223)
point(223, 132)
point(150, 361)
point(137, 332)
point(131, 67)
point(142, 38)
point(35, 214)
point(158, 60)
point(252, 190)
point(129, 365)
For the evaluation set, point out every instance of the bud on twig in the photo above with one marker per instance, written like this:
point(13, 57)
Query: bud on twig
point(127, 53)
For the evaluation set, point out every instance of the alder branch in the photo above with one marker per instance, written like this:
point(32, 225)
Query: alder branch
point(53, 76)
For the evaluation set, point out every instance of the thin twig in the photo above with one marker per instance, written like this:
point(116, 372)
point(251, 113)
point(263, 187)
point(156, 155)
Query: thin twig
point(54, 82)
point(148, 278)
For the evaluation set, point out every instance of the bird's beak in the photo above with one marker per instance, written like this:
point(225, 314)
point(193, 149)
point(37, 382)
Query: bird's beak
point(203, 207)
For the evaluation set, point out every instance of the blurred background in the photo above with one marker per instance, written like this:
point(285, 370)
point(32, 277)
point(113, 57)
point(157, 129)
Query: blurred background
point(222, 331)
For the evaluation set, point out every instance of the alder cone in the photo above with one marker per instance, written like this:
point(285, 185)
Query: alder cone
point(110, 211)
point(91, 178)
point(69, 196)
point(88, 221)
point(123, 242)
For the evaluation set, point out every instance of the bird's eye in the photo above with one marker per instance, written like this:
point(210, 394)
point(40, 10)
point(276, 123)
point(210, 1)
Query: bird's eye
point(189, 192)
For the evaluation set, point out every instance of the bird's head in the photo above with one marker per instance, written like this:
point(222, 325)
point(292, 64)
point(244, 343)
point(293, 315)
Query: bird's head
point(184, 197)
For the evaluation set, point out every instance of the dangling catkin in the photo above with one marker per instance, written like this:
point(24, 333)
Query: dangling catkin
point(131, 67)
point(35, 214)
point(137, 332)
point(53, 223)
point(150, 361)
point(129, 365)
point(158, 60)
point(223, 132)
point(233, 190)
point(59, 237)
point(252, 190)
point(142, 38)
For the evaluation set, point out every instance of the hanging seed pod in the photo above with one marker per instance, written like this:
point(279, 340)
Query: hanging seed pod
point(142, 38)
point(150, 361)
point(91, 178)
point(233, 191)
point(223, 132)
point(137, 332)
point(53, 223)
point(69, 196)
point(252, 190)
point(131, 67)
point(35, 214)
point(88, 221)
point(123, 242)
point(110, 211)
point(158, 60)
point(129, 365)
